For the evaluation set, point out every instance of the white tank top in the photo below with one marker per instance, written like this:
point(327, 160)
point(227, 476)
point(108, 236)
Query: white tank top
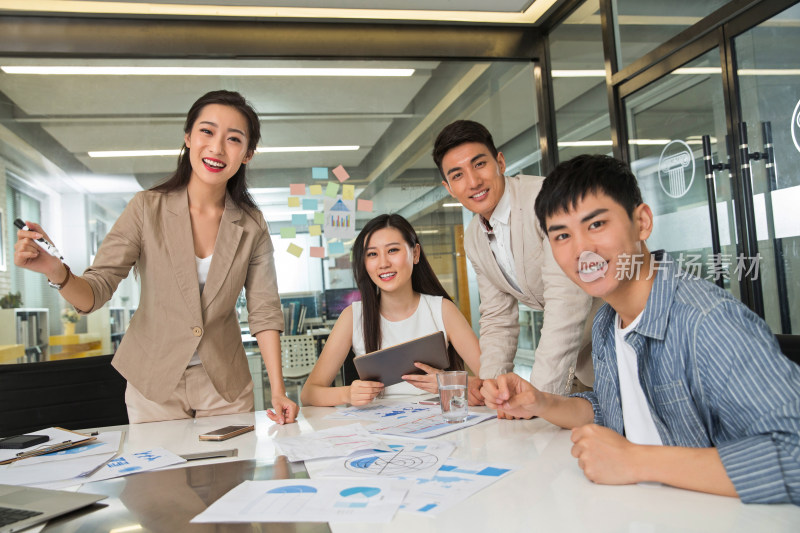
point(426, 319)
point(203, 264)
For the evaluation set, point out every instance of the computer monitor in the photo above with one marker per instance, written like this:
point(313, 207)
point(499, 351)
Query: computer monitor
point(337, 300)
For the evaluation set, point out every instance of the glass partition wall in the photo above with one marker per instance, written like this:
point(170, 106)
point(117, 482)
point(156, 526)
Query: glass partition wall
point(81, 137)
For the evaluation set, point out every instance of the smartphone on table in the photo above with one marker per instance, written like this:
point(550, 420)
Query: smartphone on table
point(227, 432)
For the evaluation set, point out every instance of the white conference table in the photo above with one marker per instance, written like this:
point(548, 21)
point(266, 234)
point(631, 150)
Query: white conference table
point(548, 493)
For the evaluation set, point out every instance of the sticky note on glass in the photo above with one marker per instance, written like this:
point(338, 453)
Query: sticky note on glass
point(319, 173)
point(332, 190)
point(364, 205)
point(315, 190)
point(297, 189)
point(309, 204)
point(288, 233)
point(299, 220)
point(315, 230)
point(348, 192)
point(294, 249)
point(319, 217)
point(336, 247)
point(341, 174)
point(294, 201)
point(317, 251)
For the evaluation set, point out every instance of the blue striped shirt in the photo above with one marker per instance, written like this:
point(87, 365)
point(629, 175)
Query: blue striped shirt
point(713, 375)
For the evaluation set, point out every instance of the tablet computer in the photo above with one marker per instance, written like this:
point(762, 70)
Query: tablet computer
point(389, 364)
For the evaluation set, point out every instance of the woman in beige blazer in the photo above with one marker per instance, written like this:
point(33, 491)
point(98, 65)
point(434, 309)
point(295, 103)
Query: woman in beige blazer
point(195, 241)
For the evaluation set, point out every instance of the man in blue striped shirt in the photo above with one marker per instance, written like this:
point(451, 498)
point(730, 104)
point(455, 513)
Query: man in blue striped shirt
point(693, 379)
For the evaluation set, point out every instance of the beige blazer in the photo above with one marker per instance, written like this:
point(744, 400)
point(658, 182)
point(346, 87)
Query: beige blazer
point(544, 286)
point(154, 234)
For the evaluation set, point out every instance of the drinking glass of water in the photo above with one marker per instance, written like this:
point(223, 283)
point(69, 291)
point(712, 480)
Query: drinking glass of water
point(453, 395)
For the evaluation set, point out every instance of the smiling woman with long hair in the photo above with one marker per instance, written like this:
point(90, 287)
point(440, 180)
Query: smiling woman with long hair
point(401, 299)
point(195, 241)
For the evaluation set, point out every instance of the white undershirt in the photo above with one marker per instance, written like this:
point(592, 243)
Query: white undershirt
point(639, 425)
point(202, 275)
point(500, 238)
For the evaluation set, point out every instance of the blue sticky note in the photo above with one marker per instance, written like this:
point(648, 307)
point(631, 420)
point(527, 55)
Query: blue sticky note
point(299, 220)
point(335, 248)
point(309, 204)
point(319, 173)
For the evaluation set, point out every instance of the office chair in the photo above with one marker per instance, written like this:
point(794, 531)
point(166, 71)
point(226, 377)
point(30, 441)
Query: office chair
point(73, 394)
point(790, 346)
point(298, 356)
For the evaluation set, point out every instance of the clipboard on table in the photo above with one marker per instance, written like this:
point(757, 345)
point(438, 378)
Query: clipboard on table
point(60, 439)
point(389, 364)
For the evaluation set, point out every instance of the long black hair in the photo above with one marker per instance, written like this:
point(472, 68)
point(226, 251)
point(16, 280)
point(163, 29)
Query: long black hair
point(237, 184)
point(423, 281)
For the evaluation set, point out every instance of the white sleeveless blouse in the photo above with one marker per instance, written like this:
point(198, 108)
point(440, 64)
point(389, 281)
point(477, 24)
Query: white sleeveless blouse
point(426, 319)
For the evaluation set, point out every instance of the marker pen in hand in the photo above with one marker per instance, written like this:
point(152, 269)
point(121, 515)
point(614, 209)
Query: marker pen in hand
point(41, 241)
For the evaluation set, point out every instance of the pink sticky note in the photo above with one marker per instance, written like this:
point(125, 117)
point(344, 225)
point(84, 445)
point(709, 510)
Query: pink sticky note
point(297, 189)
point(317, 251)
point(341, 174)
point(364, 205)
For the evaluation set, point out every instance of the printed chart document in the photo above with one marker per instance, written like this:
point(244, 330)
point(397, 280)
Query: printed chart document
point(409, 459)
point(388, 411)
point(304, 500)
point(124, 465)
point(58, 439)
point(332, 442)
point(425, 426)
point(456, 480)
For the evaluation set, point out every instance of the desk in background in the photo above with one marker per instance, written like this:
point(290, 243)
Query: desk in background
point(548, 493)
point(75, 345)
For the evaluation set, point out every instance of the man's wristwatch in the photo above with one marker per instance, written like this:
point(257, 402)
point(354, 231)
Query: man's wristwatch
point(59, 286)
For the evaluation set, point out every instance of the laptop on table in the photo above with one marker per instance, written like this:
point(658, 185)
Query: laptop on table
point(23, 507)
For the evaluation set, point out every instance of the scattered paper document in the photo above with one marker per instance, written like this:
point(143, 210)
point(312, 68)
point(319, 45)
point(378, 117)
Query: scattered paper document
point(333, 442)
point(58, 437)
point(133, 463)
point(409, 459)
point(68, 468)
point(425, 426)
point(302, 500)
point(456, 480)
point(105, 443)
point(388, 411)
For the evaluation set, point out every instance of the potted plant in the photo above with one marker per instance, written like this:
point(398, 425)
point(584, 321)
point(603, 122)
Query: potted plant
point(69, 317)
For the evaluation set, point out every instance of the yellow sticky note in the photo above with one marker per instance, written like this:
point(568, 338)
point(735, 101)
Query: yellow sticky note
point(294, 201)
point(348, 192)
point(294, 250)
point(314, 230)
point(315, 190)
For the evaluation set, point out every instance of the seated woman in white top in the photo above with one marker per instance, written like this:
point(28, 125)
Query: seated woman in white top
point(401, 300)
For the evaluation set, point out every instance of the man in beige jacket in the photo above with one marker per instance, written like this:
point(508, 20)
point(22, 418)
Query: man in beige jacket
point(513, 263)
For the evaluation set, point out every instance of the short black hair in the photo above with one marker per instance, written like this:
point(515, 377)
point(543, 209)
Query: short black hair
point(458, 133)
point(572, 180)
